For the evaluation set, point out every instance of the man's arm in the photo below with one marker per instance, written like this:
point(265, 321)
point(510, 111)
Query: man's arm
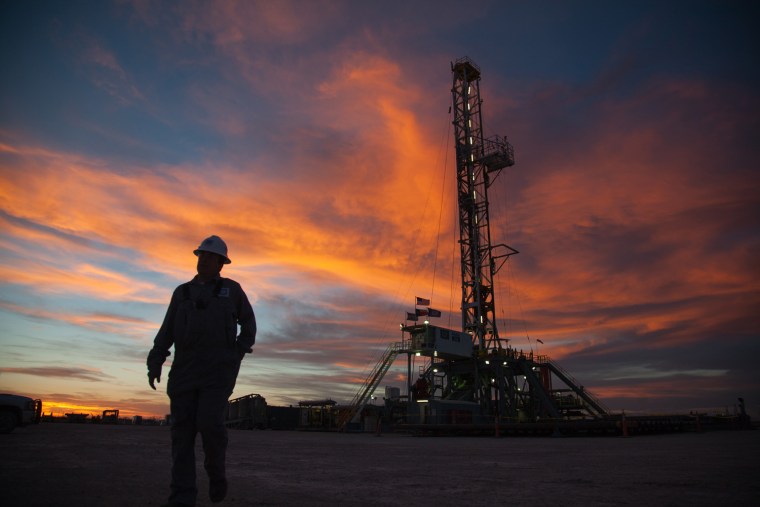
point(247, 321)
point(161, 344)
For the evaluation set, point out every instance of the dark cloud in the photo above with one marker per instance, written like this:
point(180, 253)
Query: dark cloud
point(92, 375)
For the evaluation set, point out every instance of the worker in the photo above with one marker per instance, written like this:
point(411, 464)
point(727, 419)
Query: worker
point(202, 324)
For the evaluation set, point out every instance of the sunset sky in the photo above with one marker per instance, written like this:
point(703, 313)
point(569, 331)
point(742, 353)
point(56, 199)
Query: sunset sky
point(315, 138)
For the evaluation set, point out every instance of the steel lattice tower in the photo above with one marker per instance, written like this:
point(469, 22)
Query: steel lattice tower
point(473, 377)
point(479, 161)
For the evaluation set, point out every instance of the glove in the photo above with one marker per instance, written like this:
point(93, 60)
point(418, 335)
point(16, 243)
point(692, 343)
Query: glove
point(156, 358)
point(154, 375)
point(242, 350)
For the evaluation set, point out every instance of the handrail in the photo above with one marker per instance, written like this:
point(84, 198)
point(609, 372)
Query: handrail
point(370, 383)
point(585, 392)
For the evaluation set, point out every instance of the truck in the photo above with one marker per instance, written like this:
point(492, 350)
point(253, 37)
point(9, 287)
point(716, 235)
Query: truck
point(110, 417)
point(18, 410)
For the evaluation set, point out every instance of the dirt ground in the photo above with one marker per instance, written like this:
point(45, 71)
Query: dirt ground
point(93, 465)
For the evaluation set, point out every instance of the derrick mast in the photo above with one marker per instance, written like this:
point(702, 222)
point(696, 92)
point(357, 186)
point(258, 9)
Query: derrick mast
point(479, 161)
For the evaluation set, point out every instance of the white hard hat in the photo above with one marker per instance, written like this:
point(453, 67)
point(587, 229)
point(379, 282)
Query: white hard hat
point(214, 244)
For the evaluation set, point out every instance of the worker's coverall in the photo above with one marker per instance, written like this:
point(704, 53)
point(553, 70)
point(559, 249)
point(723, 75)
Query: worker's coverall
point(201, 323)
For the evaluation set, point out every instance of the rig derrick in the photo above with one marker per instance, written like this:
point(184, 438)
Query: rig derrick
point(473, 380)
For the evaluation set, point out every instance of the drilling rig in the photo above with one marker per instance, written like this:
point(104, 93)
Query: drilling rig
point(471, 377)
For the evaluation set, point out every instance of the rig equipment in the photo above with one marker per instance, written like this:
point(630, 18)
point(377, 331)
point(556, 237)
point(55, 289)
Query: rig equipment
point(472, 378)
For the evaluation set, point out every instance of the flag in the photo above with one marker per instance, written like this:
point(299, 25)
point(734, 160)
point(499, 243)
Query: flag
point(433, 313)
point(421, 313)
point(539, 341)
point(411, 316)
point(422, 302)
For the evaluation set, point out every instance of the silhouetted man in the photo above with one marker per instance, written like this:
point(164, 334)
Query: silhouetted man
point(202, 324)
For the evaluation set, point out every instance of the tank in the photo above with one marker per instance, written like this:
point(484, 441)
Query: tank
point(392, 393)
point(244, 409)
point(232, 410)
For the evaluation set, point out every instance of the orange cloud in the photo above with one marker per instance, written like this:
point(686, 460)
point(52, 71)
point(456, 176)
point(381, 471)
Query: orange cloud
point(80, 212)
point(96, 321)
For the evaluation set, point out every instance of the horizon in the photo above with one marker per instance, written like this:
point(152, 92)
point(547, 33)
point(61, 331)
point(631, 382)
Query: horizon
point(316, 142)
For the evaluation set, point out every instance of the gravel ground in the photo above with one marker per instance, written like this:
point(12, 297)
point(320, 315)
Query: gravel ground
point(91, 465)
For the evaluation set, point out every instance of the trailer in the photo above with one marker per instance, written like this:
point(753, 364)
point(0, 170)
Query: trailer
point(247, 412)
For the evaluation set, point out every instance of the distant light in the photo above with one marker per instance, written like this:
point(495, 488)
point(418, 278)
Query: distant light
point(505, 363)
point(417, 354)
point(435, 370)
point(487, 362)
point(427, 322)
point(435, 353)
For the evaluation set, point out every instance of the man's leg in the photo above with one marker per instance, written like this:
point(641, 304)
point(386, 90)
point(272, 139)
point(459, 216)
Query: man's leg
point(212, 405)
point(184, 415)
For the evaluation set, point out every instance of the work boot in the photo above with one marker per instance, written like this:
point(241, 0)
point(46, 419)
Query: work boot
point(217, 490)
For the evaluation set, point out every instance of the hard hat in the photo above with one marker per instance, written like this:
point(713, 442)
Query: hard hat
point(214, 244)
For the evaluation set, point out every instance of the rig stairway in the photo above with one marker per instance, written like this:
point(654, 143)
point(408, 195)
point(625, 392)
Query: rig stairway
point(370, 384)
point(592, 402)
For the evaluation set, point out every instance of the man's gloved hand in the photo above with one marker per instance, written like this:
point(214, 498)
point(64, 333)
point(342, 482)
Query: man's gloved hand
point(154, 375)
point(242, 350)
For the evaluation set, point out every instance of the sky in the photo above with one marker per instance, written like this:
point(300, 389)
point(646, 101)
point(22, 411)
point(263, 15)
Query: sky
point(315, 138)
